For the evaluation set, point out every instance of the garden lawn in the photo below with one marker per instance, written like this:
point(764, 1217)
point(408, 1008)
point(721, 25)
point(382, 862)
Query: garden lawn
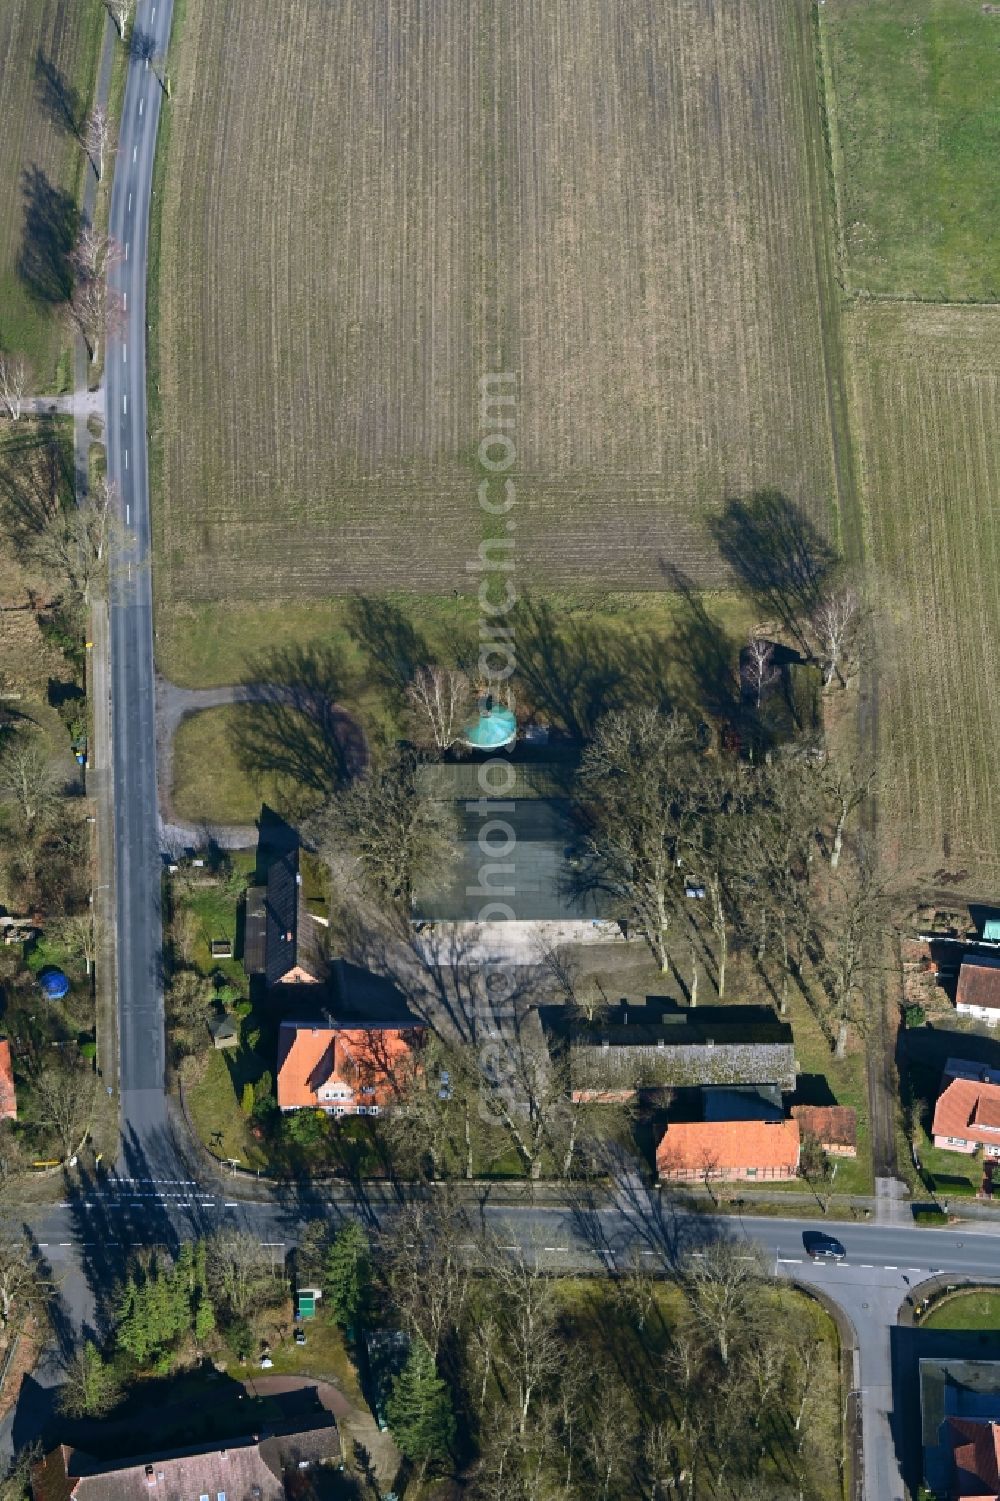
point(215, 1113)
point(978, 1310)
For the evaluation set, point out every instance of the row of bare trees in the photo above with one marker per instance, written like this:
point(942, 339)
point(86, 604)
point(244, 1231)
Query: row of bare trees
point(709, 1384)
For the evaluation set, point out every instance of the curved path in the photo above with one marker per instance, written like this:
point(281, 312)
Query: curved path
point(173, 705)
point(137, 868)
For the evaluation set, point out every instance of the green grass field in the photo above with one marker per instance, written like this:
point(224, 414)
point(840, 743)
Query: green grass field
point(48, 64)
point(917, 138)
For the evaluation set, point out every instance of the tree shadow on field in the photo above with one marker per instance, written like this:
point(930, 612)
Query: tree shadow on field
point(778, 554)
point(58, 96)
point(295, 727)
point(51, 220)
point(574, 671)
point(392, 644)
point(706, 654)
point(36, 479)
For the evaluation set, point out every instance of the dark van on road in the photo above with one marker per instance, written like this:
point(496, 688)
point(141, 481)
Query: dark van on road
point(822, 1247)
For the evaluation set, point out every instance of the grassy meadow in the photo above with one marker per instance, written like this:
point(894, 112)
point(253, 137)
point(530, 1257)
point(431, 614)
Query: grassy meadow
point(621, 203)
point(48, 64)
point(917, 137)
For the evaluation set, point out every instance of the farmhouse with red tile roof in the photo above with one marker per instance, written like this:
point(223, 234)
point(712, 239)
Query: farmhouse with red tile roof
point(354, 1068)
point(967, 1116)
point(693, 1151)
point(978, 992)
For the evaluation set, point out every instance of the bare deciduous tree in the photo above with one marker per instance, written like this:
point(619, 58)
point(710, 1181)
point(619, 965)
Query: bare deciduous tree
point(387, 835)
point(29, 781)
point(79, 543)
point(427, 1271)
point(243, 1271)
point(95, 309)
point(761, 672)
point(847, 786)
point(629, 777)
point(530, 1355)
point(62, 1098)
point(15, 383)
point(21, 1280)
point(835, 626)
point(723, 1281)
point(11, 1156)
point(120, 12)
point(78, 935)
point(98, 138)
point(439, 697)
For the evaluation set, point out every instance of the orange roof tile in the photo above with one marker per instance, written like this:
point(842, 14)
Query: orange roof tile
point(833, 1124)
point(729, 1145)
point(966, 1109)
point(8, 1097)
point(320, 1066)
point(977, 1460)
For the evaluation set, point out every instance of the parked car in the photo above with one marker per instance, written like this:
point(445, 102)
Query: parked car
point(823, 1247)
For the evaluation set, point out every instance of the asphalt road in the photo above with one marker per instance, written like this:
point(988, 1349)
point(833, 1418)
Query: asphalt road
point(140, 987)
point(88, 1238)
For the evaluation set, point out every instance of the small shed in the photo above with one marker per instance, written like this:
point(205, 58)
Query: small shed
point(222, 948)
point(991, 930)
point(225, 1032)
point(306, 1300)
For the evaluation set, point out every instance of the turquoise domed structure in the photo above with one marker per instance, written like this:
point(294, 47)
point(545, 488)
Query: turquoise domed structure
point(493, 727)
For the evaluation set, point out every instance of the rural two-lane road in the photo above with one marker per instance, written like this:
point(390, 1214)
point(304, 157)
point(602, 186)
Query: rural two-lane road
point(137, 874)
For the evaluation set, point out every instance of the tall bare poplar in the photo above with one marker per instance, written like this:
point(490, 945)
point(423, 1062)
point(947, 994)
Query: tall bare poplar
point(15, 383)
point(98, 138)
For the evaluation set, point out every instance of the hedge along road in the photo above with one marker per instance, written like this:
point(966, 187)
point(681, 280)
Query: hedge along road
point(147, 1147)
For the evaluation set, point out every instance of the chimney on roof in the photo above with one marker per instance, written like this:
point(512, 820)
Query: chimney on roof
point(150, 1476)
point(605, 1044)
point(288, 936)
point(624, 1016)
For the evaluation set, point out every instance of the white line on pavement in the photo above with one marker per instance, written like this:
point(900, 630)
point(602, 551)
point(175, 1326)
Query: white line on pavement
point(135, 152)
point(141, 103)
point(126, 249)
point(790, 1260)
point(128, 513)
point(891, 1269)
point(125, 302)
point(867, 1266)
point(916, 1269)
point(125, 405)
point(124, 354)
point(126, 458)
point(231, 1204)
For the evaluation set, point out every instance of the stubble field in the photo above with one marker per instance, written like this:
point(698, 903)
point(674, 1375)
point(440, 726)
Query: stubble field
point(48, 62)
point(368, 206)
point(926, 410)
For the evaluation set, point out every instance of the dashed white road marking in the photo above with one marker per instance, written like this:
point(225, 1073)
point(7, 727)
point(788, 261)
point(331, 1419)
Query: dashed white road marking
point(124, 354)
point(135, 153)
point(125, 405)
point(867, 1266)
point(141, 103)
point(891, 1269)
point(789, 1260)
point(126, 458)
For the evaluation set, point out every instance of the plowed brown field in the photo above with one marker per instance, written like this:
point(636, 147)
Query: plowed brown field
point(926, 408)
point(368, 205)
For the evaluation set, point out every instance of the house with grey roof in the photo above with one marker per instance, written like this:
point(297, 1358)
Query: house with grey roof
point(282, 939)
